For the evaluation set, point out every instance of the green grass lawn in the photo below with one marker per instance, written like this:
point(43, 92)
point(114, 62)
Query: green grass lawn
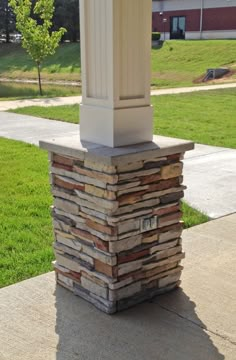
point(177, 63)
point(15, 63)
point(180, 62)
point(25, 220)
point(25, 223)
point(16, 91)
point(192, 217)
point(67, 113)
point(207, 117)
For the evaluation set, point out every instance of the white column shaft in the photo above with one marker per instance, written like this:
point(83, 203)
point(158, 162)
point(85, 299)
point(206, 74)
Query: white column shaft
point(115, 55)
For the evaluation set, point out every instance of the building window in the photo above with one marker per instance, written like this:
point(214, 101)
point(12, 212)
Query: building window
point(177, 27)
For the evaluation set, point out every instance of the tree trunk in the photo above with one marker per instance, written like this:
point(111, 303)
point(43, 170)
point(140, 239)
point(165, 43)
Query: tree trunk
point(7, 23)
point(39, 80)
point(74, 35)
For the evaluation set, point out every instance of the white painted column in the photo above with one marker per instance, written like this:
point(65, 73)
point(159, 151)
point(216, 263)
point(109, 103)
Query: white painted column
point(116, 71)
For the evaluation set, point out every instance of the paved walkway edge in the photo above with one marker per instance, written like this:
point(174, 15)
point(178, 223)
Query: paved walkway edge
point(70, 100)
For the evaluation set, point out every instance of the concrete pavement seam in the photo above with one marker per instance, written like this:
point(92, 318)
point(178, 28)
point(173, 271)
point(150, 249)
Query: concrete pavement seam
point(212, 153)
point(194, 323)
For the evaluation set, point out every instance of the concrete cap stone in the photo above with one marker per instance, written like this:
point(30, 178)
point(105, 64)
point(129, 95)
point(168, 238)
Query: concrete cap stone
point(73, 146)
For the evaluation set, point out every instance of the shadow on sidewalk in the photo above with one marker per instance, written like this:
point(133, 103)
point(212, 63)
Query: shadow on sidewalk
point(145, 332)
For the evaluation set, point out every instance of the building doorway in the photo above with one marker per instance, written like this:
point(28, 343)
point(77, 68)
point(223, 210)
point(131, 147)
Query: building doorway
point(177, 27)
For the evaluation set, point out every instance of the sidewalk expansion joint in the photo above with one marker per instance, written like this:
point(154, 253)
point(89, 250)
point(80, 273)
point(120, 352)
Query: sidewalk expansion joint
point(209, 154)
point(223, 337)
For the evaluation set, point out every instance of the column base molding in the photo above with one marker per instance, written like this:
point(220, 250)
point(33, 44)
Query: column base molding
point(116, 127)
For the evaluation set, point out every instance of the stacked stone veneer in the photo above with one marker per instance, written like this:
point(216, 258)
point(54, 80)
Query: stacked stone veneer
point(117, 228)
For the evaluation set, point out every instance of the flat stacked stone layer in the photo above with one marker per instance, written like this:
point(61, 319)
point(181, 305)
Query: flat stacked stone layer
point(117, 228)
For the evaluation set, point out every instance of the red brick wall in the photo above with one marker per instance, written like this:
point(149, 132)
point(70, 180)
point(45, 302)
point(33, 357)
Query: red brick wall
point(219, 19)
point(213, 19)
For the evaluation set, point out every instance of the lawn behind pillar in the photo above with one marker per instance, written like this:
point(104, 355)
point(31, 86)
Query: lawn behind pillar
point(25, 223)
point(205, 117)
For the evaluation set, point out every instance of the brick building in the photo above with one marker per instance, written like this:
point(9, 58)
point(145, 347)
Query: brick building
point(195, 19)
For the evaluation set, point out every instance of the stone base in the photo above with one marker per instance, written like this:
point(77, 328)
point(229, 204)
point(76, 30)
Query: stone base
point(117, 220)
point(111, 307)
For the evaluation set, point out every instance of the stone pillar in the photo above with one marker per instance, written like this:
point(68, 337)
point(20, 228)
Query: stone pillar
point(116, 211)
point(115, 56)
point(117, 219)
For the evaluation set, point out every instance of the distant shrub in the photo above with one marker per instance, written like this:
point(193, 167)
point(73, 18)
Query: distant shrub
point(156, 36)
point(54, 69)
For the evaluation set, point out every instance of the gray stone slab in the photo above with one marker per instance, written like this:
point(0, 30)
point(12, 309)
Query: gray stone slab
point(210, 176)
point(160, 146)
point(42, 321)
point(32, 129)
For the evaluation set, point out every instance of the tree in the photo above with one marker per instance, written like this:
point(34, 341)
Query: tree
point(35, 23)
point(67, 15)
point(7, 19)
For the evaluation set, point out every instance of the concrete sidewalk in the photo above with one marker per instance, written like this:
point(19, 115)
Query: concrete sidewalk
point(42, 321)
point(210, 172)
point(31, 129)
point(210, 175)
point(14, 104)
point(70, 100)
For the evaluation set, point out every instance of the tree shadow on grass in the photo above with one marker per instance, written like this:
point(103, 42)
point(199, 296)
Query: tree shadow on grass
point(147, 331)
point(14, 58)
point(22, 91)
